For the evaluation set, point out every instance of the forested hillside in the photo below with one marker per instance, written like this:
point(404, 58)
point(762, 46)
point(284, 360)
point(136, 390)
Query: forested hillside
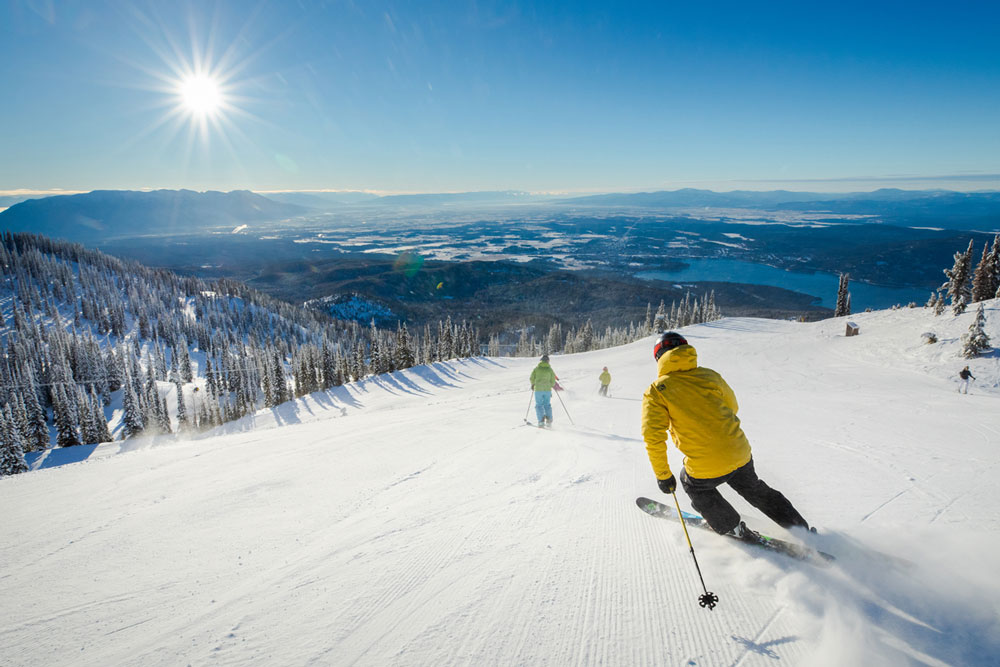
point(93, 347)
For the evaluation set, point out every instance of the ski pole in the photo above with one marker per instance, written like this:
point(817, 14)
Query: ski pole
point(564, 406)
point(709, 599)
point(530, 399)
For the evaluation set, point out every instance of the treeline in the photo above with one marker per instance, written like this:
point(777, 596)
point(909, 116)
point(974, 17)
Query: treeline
point(966, 285)
point(80, 329)
point(688, 311)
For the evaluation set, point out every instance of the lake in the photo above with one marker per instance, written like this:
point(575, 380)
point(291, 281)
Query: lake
point(822, 286)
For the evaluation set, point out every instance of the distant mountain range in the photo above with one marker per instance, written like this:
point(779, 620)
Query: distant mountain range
point(943, 208)
point(108, 214)
point(104, 214)
point(777, 198)
point(335, 200)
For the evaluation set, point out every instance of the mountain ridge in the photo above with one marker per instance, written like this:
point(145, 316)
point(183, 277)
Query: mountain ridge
point(102, 214)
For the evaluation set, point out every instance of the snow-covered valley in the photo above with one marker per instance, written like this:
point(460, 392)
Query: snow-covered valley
point(414, 519)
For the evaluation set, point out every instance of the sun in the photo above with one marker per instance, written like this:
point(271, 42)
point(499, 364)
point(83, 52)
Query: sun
point(200, 94)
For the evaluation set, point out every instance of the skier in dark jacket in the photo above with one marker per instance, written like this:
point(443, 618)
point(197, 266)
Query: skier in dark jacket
point(698, 409)
point(543, 379)
point(965, 374)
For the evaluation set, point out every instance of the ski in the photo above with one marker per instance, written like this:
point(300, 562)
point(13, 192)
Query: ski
point(796, 551)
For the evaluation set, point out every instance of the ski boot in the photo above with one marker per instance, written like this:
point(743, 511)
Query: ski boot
point(741, 532)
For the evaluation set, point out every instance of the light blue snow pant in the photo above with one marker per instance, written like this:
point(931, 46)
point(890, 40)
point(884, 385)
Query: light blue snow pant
point(543, 405)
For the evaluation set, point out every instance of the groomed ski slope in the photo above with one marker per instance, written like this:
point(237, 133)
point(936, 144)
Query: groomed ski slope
point(414, 519)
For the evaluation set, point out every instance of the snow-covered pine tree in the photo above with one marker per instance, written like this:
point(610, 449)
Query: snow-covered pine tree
point(279, 386)
point(554, 340)
point(89, 434)
point(586, 337)
point(38, 432)
point(133, 422)
point(103, 433)
point(843, 306)
point(11, 448)
point(525, 344)
point(359, 367)
point(446, 341)
point(64, 416)
point(939, 304)
point(660, 322)
point(404, 350)
point(994, 261)
point(163, 417)
point(20, 417)
point(184, 361)
point(982, 278)
point(958, 286)
point(976, 342)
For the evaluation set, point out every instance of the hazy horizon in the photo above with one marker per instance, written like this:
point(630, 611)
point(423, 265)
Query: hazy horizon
point(724, 188)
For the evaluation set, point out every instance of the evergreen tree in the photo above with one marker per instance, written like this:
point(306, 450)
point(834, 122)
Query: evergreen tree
point(404, 351)
point(133, 422)
point(993, 261)
point(983, 277)
point(184, 362)
point(37, 437)
point(660, 322)
point(976, 342)
point(65, 418)
point(163, 417)
point(553, 342)
point(586, 337)
point(100, 421)
point(843, 297)
point(359, 367)
point(958, 285)
point(11, 448)
point(939, 304)
point(279, 386)
point(88, 425)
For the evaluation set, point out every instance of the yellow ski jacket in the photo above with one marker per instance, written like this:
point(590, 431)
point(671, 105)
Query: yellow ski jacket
point(696, 406)
point(605, 378)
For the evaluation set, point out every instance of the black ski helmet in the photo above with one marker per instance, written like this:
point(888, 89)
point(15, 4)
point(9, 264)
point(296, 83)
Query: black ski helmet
point(667, 341)
point(545, 358)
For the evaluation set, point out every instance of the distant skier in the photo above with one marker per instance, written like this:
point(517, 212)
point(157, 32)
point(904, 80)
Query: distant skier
point(543, 379)
point(696, 406)
point(605, 379)
point(965, 375)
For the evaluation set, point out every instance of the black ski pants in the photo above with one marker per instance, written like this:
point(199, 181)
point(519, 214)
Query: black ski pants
point(721, 516)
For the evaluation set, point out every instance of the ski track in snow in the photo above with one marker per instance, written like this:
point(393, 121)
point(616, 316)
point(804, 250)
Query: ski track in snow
point(414, 519)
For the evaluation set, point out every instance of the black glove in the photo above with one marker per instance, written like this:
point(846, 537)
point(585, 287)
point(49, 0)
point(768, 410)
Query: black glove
point(668, 485)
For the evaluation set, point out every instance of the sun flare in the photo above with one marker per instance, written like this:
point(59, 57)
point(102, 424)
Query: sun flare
point(200, 94)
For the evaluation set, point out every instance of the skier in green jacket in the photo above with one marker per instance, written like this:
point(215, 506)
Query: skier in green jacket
point(543, 378)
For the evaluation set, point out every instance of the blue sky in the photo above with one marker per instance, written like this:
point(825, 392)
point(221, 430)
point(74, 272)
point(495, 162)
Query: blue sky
point(452, 96)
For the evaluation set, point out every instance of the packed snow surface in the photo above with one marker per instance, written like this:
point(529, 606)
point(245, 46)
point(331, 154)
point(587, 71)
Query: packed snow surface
point(414, 519)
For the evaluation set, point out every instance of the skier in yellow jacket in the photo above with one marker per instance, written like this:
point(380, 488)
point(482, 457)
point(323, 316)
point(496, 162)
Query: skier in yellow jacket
point(605, 379)
point(698, 409)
